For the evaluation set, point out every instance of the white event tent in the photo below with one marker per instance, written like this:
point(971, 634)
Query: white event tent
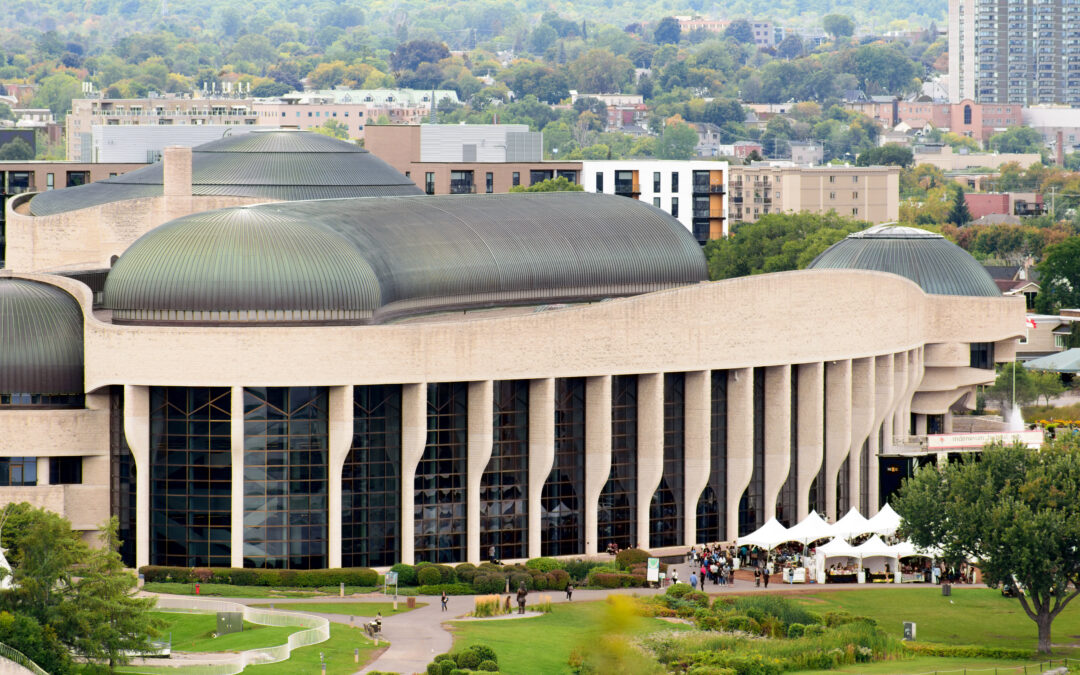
point(768, 536)
point(885, 522)
point(877, 549)
point(812, 528)
point(851, 525)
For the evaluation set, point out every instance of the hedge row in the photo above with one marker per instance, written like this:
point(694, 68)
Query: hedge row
point(350, 576)
point(968, 651)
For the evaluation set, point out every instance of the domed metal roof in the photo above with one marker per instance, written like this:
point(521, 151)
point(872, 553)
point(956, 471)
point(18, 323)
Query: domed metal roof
point(41, 339)
point(930, 260)
point(362, 260)
point(285, 165)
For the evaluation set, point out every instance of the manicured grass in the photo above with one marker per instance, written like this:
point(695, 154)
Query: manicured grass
point(543, 644)
point(347, 608)
point(337, 651)
point(930, 665)
point(230, 591)
point(972, 616)
point(193, 632)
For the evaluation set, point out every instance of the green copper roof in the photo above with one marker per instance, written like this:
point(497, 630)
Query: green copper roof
point(284, 165)
point(41, 339)
point(360, 260)
point(935, 263)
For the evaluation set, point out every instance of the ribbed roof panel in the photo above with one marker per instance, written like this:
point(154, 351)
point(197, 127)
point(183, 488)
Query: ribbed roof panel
point(271, 165)
point(933, 262)
point(41, 339)
point(419, 253)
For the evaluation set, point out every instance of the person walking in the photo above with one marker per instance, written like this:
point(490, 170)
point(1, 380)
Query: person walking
point(444, 599)
point(757, 577)
point(765, 575)
point(693, 581)
point(522, 593)
point(569, 591)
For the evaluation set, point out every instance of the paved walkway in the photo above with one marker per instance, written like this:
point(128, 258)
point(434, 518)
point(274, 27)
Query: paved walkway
point(416, 637)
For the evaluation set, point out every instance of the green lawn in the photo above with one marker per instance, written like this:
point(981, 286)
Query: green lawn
point(230, 591)
point(338, 652)
point(347, 608)
point(931, 665)
point(193, 632)
point(972, 616)
point(543, 644)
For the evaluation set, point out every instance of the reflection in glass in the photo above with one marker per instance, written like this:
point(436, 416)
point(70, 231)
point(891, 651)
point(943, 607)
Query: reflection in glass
point(666, 507)
point(371, 480)
point(562, 500)
point(617, 516)
point(440, 485)
point(712, 504)
point(504, 486)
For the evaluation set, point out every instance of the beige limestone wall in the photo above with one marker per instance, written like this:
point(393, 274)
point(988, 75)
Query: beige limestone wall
point(777, 434)
point(54, 433)
point(541, 452)
point(479, 436)
point(811, 431)
point(650, 464)
point(340, 435)
point(697, 426)
point(413, 441)
point(837, 427)
point(740, 441)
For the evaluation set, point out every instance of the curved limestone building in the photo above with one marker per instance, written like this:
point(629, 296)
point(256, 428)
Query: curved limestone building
point(370, 380)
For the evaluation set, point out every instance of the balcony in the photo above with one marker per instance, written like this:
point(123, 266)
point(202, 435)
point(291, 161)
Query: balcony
point(708, 189)
point(708, 213)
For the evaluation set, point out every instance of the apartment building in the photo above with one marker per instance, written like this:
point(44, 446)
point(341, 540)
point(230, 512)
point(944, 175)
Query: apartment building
point(1015, 51)
point(866, 193)
point(467, 158)
point(693, 192)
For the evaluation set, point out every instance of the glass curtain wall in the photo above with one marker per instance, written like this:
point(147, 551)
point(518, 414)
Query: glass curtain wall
point(817, 486)
point(563, 498)
point(285, 477)
point(843, 488)
point(440, 483)
point(617, 517)
point(666, 508)
point(190, 476)
point(712, 504)
point(121, 477)
point(504, 487)
point(371, 480)
point(786, 506)
point(864, 478)
point(752, 503)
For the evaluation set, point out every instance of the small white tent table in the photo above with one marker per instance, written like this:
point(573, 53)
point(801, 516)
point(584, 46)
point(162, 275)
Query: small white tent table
point(874, 555)
point(837, 548)
point(885, 522)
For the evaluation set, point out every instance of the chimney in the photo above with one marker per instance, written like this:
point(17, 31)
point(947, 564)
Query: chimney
point(176, 162)
point(1060, 148)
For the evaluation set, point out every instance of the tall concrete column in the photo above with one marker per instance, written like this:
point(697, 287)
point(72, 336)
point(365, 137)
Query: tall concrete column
point(862, 421)
point(838, 427)
point(413, 441)
point(340, 432)
point(481, 416)
point(236, 431)
point(597, 452)
point(541, 453)
point(777, 434)
point(811, 432)
point(698, 420)
point(740, 438)
point(884, 401)
point(137, 432)
point(650, 448)
point(900, 387)
point(43, 471)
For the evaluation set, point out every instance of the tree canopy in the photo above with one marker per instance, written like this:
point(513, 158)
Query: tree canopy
point(1060, 277)
point(1014, 512)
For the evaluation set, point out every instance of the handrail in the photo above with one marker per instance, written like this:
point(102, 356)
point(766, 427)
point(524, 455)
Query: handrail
point(14, 655)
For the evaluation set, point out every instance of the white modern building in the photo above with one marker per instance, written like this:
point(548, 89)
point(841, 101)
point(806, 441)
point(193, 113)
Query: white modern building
point(144, 143)
point(694, 192)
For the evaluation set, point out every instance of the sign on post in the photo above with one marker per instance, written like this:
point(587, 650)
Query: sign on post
point(652, 572)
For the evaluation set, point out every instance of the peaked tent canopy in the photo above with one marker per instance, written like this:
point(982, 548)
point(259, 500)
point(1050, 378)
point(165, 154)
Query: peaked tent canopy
point(906, 549)
point(875, 547)
point(885, 522)
point(837, 548)
point(768, 536)
point(812, 528)
point(851, 525)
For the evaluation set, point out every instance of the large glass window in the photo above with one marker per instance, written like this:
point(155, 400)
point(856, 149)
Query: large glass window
point(563, 498)
point(504, 487)
point(617, 516)
point(190, 476)
point(982, 355)
point(371, 480)
point(864, 478)
point(785, 502)
point(666, 508)
point(285, 477)
point(18, 471)
point(817, 486)
point(440, 483)
point(42, 400)
point(121, 477)
point(843, 489)
point(429, 182)
point(712, 504)
point(752, 503)
point(65, 470)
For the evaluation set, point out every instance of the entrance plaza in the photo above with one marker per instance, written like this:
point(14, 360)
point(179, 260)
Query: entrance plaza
point(374, 376)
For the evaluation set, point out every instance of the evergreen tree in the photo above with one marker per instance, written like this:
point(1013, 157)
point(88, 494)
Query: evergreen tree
point(959, 213)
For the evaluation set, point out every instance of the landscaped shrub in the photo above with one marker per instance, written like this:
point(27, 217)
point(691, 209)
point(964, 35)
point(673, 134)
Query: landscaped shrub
point(451, 589)
point(837, 618)
point(579, 569)
point(406, 574)
point(465, 572)
point(615, 580)
point(743, 624)
point(467, 659)
point(447, 573)
point(795, 630)
point(814, 629)
point(967, 651)
point(696, 598)
point(557, 580)
point(447, 667)
point(488, 667)
point(354, 576)
point(678, 590)
point(759, 606)
point(710, 670)
point(629, 557)
point(489, 583)
point(544, 564)
point(707, 622)
point(428, 576)
point(519, 578)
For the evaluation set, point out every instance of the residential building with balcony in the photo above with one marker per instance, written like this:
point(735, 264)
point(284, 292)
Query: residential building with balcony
point(693, 192)
point(863, 193)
